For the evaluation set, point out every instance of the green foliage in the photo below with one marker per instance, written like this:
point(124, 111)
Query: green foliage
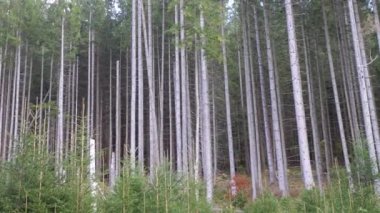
point(267, 203)
point(337, 198)
point(29, 183)
point(362, 164)
point(240, 200)
point(135, 192)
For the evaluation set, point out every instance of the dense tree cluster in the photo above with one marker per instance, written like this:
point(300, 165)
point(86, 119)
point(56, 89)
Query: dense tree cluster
point(254, 88)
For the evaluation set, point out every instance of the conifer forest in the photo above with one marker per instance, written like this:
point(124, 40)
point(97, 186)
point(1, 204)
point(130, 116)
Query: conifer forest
point(121, 106)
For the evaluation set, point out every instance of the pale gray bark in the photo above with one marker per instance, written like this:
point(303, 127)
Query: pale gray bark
point(177, 98)
point(153, 136)
point(206, 128)
point(133, 87)
point(89, 81)
point(41, 94)
point(325, 131)
point(111, 153)
point(364, 94)
point(276, 126)
point(60, 117)
point(298, 99)
point(6, 150)
point(140, 87)
point(2, 92)
point(228, 107)
point(214, 138)
point(377, 22)
point(370, 95)
point(337, 100)
point(23, 103)
point(49, 106)
point(183, 88)
point(313, 114)
point(250, 116)
point(197, 118)
point(118, 148)
point(161, 89)
point(268, 141)
point(112, 170)
point(170, 116)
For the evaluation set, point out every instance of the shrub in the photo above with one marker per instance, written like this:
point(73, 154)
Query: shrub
point(29, 183)
point(166, 192)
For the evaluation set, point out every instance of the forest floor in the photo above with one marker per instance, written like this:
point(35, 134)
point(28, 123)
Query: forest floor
point(224, 200)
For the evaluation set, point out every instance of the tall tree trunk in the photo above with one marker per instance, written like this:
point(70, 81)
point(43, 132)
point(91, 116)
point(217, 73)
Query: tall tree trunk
point(140, 80)
point(377, 22)
point(364, 95)
point(228, 107)
point(371, 100)
point(133, 86)
point(183, 88)
point(206, 128)
point(60, 118)
point(111, 153)
point(49, 100)
point(177, 98)
point(336, 99)
point(268, 141)
point(276, 127)
point(153, 136)
point(118, 148)
point(2, 92)
point(41, 94)
point(313, 114)
point(298, 99)
point(250, 116)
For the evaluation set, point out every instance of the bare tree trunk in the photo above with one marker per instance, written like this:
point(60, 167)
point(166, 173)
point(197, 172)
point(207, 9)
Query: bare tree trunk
point(2, 92)
point(377, 22)
point(111, 153)
point(133, 87)
point(41, 94)
point(170, 116)
point(336, 98)
point(313, 114)
point(276, 126)
point(177, 99)
point(206, 128)
point(140, 79)
point(161, 89)
point(23, 103)
point(183, 88)
point(371, 100)
point(49, 106)
point(250, 116)
point(214, 138)
point(153, 137)
point(118, 148)
point(7, 149)
point(60, 118)
point(197, 117)
point(298, 99)
point(364, 95)
point(324, 121)
point(268, 141)
point(228, 108)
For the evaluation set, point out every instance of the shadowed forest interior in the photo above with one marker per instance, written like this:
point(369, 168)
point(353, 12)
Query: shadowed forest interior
point(189, 106)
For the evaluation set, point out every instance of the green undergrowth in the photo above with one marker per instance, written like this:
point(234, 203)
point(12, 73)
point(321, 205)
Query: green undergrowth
point(29, 183)
point(335, 198)
point(165, 192)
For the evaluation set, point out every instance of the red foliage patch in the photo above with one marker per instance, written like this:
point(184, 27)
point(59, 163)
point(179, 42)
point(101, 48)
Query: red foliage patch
point(240, 184)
